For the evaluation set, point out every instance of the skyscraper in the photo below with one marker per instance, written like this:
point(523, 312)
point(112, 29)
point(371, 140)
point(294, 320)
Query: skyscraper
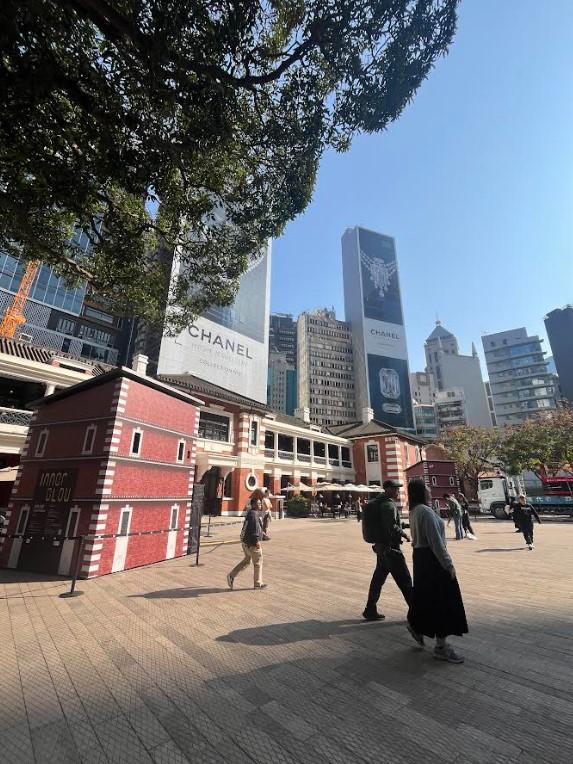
point(520, 383)
point(559, 325)
point(228, 345)
point(67, 319)
point(282, 335)
point(325, 368)
point(282, 384)
point(452, 371)
point(373, 307)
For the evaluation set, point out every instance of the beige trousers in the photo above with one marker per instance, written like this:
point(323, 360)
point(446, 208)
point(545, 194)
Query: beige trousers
point(254, 555)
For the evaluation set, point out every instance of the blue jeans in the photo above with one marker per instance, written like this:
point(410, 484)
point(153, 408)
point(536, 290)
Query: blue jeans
point(459, 526)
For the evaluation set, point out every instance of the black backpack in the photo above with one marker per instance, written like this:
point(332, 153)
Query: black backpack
point(373, 529)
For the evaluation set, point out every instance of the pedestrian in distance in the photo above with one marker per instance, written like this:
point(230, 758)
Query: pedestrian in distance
point(466, 522)
point(251, 538)
point(455, 512)
point(526, 514)
point(515, 512)
point(382, 527)
point(436, 607)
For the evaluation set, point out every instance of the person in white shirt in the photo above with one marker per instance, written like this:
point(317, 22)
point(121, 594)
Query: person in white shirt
point(436, 606)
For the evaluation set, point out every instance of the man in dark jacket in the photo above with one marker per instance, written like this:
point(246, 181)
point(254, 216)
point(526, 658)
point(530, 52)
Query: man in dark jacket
point(381, 527)
point(251, 537)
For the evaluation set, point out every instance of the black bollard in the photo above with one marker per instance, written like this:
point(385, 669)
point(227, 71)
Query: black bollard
point(73, 592)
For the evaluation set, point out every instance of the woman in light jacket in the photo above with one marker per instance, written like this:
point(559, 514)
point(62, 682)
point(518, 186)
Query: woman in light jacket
point(436, 609)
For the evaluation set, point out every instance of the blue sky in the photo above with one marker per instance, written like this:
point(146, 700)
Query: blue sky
point(474, 181)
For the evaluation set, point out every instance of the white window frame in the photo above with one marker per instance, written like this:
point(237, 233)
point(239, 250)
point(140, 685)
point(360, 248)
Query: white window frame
point(174, 508)
point(254, 424)
point(133, 434)
point(452, 480)
point(128, 509)
point(42, 442)
point(377, 447)
point(25, 510)
point(434, 480)
point(74, 510)
point(91, 428)
point(179, 444)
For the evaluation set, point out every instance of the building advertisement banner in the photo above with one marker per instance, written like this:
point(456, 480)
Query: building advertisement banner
point(383, 328)
point(228, 346)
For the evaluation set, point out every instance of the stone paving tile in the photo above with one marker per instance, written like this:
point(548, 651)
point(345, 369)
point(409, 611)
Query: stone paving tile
point(165, 664)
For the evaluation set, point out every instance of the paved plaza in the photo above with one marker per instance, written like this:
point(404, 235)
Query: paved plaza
point(164, 664)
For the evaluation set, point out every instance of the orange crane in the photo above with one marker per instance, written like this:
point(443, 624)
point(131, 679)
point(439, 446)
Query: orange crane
point(14, 314)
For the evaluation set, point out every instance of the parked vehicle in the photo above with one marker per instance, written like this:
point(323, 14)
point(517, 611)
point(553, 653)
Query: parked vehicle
point(496, 493)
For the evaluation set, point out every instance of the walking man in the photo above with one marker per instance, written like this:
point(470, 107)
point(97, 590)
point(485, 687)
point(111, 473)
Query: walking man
point(251, 537)
point(381, 527)
point(466, 522)
point(526, 514)
point(456, 514)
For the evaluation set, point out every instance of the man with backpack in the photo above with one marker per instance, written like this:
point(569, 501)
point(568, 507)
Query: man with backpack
point(382, 528)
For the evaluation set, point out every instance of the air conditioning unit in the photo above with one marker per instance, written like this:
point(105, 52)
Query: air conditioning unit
point(25, 337)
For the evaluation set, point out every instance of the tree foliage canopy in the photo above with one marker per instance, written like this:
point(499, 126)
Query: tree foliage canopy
point(474, 449)
point(543, 444)
point(204, 105)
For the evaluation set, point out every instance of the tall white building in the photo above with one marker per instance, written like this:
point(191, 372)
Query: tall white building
point(325, 371)
point(452, 371)
point(422, 387)
point(451, 408)
point(228, 345)
point(373, 308)
point(520, 382)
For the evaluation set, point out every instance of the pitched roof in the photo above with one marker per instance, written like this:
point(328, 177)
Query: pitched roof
point(39, 354)
point(195, 385)
point(440, 333)
point(296, 422)
point(374, 427)
point(119, 371)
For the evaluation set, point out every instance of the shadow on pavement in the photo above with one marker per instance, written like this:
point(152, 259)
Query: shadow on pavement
point(300, 631)
point(13, 576)
point(180, 593)
point(502, 549)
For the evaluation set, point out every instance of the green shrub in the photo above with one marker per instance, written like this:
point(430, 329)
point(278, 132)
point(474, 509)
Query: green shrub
point(298, 506)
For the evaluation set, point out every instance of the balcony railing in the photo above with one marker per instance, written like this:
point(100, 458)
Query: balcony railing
point(320, 460)
point(286, 456)
point(269, 453)
point(303, 458)
point(15, 416)
point(347, 464)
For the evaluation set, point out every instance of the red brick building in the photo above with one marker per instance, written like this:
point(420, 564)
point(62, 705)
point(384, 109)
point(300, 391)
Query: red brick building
point(113, 455)
point(381, 452)
point(243, 445)
point(440, 477)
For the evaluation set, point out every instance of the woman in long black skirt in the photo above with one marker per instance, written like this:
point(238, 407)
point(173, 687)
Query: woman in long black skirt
point(436, 609)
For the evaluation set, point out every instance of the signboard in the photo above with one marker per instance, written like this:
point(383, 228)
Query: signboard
point(52, 498)
point(197, 503)
point(383, 330)
point(228, 345)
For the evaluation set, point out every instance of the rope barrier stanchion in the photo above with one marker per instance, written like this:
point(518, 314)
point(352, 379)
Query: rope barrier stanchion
point(73, 592)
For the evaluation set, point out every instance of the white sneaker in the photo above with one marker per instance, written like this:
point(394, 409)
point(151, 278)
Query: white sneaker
point(530, 547)
point(447, 653)
point(471, 537)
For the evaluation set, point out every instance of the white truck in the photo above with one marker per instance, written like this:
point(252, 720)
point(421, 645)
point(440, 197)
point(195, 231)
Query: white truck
point(495, 493)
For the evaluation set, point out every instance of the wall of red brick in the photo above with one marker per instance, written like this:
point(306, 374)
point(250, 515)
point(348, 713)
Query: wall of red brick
point(110, 473)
